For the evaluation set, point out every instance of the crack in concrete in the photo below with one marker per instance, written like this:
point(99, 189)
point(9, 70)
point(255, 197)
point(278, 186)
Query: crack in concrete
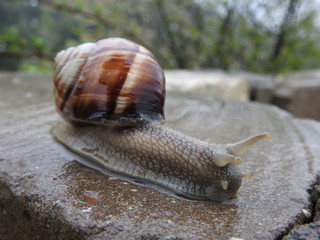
point(305, 219)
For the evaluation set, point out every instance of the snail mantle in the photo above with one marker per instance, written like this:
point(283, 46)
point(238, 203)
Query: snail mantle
point(46, 192)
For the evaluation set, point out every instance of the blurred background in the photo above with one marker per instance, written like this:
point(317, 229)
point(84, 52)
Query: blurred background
point(262, 36)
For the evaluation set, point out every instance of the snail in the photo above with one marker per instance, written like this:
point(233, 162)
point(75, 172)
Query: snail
point(112, 94)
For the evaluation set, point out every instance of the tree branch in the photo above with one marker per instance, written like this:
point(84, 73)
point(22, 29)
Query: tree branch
point(281, 37)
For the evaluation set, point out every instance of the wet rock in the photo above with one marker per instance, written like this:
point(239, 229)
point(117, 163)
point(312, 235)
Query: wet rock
point(309, 231)
point(317, 211)
point(210, 82)
point(46, 193)
point(261, 85)
point(305, 232)
point(299, 94)
point(296, 92)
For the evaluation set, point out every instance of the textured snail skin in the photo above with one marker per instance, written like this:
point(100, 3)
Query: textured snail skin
point(158, 154)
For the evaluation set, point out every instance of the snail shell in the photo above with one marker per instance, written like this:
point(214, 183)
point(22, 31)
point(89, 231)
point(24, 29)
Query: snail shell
point(113, 81)
point(116, 82)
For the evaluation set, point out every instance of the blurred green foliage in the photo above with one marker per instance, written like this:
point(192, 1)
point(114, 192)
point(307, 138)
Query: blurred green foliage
point(258, 36)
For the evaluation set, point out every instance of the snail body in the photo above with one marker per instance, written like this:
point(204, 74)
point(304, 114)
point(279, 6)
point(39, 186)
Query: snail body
point(112, 95)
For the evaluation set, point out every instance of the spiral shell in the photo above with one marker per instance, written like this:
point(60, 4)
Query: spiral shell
point(111, 81)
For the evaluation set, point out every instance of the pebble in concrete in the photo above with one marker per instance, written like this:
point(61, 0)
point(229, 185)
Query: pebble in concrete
point(46, 193)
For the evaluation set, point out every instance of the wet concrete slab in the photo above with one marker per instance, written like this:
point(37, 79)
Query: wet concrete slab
point(45, 193)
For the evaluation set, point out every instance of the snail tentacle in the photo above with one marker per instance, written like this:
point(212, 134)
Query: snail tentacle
point(222, 160)
point(224, 185)
point(242, 146)
point(246, 175)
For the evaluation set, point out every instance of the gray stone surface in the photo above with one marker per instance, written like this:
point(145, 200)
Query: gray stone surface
point(305, 232)
point(210, 82)
point(46, 194)
point(261, 85)
point(296, 92)
point(310, 230)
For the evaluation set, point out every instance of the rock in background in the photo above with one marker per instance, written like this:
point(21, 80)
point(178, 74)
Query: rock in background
point(210, 83)
point(298, 92)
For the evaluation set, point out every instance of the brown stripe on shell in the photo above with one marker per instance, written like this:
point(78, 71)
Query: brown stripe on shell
point(61, 59)
point(64, 90)
point(96, 93)
point(149, 92)
point(71, 86)
point(116, 62)
point(72, 61)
